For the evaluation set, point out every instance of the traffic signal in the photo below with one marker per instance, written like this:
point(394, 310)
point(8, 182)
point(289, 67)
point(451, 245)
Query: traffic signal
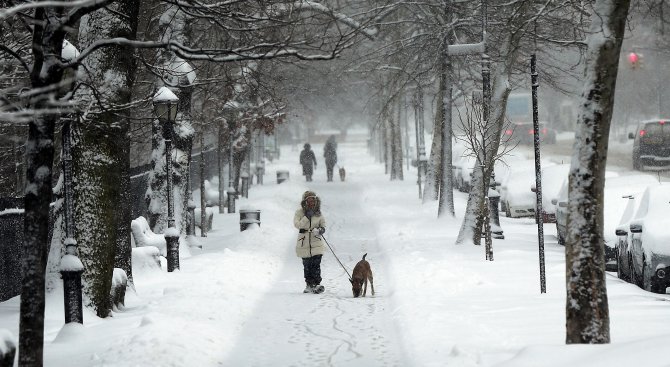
point(634, 60)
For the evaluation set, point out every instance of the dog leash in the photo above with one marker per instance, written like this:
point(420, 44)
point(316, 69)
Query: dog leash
point(337, 258)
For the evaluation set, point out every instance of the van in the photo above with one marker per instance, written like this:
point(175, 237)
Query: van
point(651, 148)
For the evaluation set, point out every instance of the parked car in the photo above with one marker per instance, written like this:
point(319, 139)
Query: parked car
point(561, 213)
point(522, 133)
point(462, 173)
point(624, 257)
point(651, 147)
point(518, 200)
point(615, 200)
point(553, 178)
point(649, 240)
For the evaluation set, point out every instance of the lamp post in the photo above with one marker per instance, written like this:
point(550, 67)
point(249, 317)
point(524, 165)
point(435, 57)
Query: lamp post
point(165, 107)
point(71, 266)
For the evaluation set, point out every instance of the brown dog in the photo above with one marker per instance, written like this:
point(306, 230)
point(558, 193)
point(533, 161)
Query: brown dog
point(342, 173)
point(360, 276)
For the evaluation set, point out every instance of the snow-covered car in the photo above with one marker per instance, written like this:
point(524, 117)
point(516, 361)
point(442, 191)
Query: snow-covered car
point(553, 178)
point(463, 173)
point(515, 192)
point(649, 240)
point(615, 199)
point(561, 212)
point(622, 231)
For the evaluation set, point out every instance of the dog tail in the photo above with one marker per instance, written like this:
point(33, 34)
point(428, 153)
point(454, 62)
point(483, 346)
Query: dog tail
point(366, 254)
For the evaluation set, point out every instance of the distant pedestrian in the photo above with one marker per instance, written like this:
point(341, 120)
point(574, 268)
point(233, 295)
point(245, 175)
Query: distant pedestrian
point(311, 225)
point(330, 153)
point(308, 162)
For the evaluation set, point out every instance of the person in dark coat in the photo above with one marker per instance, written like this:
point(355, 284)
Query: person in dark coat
point(330, 153)
point(308, 162)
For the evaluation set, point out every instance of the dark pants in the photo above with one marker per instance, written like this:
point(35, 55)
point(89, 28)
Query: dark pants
point(312, 269)
point(307, 171)
point(329, 172)
point(330, 164)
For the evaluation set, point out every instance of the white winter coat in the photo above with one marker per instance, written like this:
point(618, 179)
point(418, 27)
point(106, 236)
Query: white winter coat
point(308, 243)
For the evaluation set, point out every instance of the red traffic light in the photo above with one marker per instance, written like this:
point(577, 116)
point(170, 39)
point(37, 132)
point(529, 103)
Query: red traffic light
point(634, 59)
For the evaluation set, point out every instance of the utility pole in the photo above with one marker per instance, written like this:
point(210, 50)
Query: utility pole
point(538, 175)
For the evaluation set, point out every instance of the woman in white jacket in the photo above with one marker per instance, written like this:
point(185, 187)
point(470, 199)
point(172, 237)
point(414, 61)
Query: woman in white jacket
point(311, 225)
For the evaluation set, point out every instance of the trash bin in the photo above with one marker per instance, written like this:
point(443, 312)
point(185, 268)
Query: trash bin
point(282, 176)
point(249, 217)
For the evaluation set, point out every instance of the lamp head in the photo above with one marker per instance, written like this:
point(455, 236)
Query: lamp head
point(165, 104)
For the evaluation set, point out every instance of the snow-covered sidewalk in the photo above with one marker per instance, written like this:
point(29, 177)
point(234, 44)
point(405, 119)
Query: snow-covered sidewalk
point(239, 300)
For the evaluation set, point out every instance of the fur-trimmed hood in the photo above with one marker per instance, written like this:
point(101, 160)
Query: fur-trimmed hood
point(303, 203)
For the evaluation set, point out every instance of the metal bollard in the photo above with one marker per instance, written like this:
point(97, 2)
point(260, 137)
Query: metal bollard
point(72, 295)
point(249, 217)
point(232, 195)
point(172, 243)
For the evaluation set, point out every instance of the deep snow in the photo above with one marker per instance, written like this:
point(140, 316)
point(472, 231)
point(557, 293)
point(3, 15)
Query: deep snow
point(239, 300)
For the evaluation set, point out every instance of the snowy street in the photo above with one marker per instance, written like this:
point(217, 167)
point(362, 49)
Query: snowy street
point(239, 300)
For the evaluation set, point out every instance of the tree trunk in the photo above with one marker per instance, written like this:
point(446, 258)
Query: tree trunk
point(182, 141)
point(220, 150)
point(394, 144)
point(587, 313)
point(47, 48)
point(446, 198)
point(434, 168)
point(203, 199)
point(101, 156)
point(96, 172)
point(123, 256)
point(156, 197)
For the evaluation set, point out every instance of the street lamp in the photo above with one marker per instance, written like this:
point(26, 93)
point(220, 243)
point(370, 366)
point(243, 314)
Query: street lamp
point(71, 266)
point(165, 108)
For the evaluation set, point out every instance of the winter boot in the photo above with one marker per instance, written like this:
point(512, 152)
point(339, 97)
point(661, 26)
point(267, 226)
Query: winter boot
point(319, 289)
point(309, 289)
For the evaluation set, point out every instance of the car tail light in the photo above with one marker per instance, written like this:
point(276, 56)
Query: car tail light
point(544, 131)
point(508, 132)
point(642, 133)
point(662, 122)
point(531, 131)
